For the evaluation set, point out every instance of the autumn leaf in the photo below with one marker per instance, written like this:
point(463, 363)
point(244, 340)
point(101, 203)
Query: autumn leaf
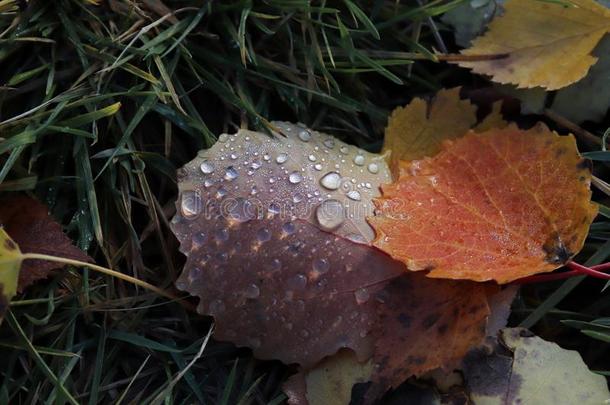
point(499, 205)
point(522, 368)
point(330, 382)
point(413, 313)
point(418, 129)
point(10, 262)
point(273, 254)
point(29, 224)
point(547, 44)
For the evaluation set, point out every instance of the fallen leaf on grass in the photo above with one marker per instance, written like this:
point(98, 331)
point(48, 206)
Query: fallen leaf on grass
point(330, 382)
point(282, 270)
point(418, 129)
point(499, 205)
point(520, 368)
point(547, 44)
point(10, 263)
point(414, 313)
point(29, 224)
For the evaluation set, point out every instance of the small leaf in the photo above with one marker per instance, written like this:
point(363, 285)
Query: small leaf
point(31, 227)
point(10, 263)
point(330, 382)
point(531, 371)
point(547, 44)
point(418, 129)
point(499, 205)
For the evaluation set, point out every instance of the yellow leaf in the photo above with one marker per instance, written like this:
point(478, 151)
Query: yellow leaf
point(418, 129)
point(10, 263)
point(330, 382)
point(493, 120)
point(548, 44)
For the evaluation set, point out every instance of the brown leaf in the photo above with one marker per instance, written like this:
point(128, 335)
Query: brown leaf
point(28, 223)
point(264, 265)
point(424, 324)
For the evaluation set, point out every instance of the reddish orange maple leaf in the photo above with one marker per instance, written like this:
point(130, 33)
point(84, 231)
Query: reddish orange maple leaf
point(499, 205)
point(29, 224)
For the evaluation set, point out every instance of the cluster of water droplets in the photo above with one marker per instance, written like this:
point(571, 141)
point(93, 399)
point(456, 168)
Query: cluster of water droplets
point(242, 207)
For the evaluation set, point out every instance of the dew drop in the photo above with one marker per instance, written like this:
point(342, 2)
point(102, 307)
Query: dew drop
point(198, 239)
point(216, 307)
point(297, 282)
point(194, 274)
point(223, 138)
point(311, 158)
point(221, 235)
point(361, 295)
point(330, 214)
point(190, 205)
point(331, 180)
point(231, 173)
point(252, 291)
point(263, 235)
point(276, 265)
point(354, 195)
point(256, 164)
point(295, 177)
point(266, 157)
point(208, 183)
point(274, 208)
point(344, 149)
point(304, 135)
point(359, 160)
point(241, 210)
point(207, 168)
point(221, 192)
point(233, 156)
point(288, 228)
point(373, 168)
point(355, 237)
point(281, 158)
point(318, 167)
point(329, 143)
point(321, 265)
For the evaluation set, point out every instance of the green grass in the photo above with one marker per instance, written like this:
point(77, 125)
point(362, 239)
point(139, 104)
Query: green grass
point(99, 104)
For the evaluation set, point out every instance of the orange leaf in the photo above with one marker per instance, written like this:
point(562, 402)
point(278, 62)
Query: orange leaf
point(499, 205)
point(29, 224)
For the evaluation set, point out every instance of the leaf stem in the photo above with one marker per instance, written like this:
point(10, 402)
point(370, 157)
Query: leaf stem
point(100, 269)
point(577, 270)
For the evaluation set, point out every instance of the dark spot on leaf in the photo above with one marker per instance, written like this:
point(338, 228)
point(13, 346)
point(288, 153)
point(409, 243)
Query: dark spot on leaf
point(559, 152)
point(405, 320)
point(585, 164)
point(556, 251)
point(416, 359)
point(430, 320)
point(9, 245)
point(442, 329)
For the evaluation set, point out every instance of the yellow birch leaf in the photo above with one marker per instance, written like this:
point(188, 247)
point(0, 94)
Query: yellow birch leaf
point(547, 44)
point(418, 129)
